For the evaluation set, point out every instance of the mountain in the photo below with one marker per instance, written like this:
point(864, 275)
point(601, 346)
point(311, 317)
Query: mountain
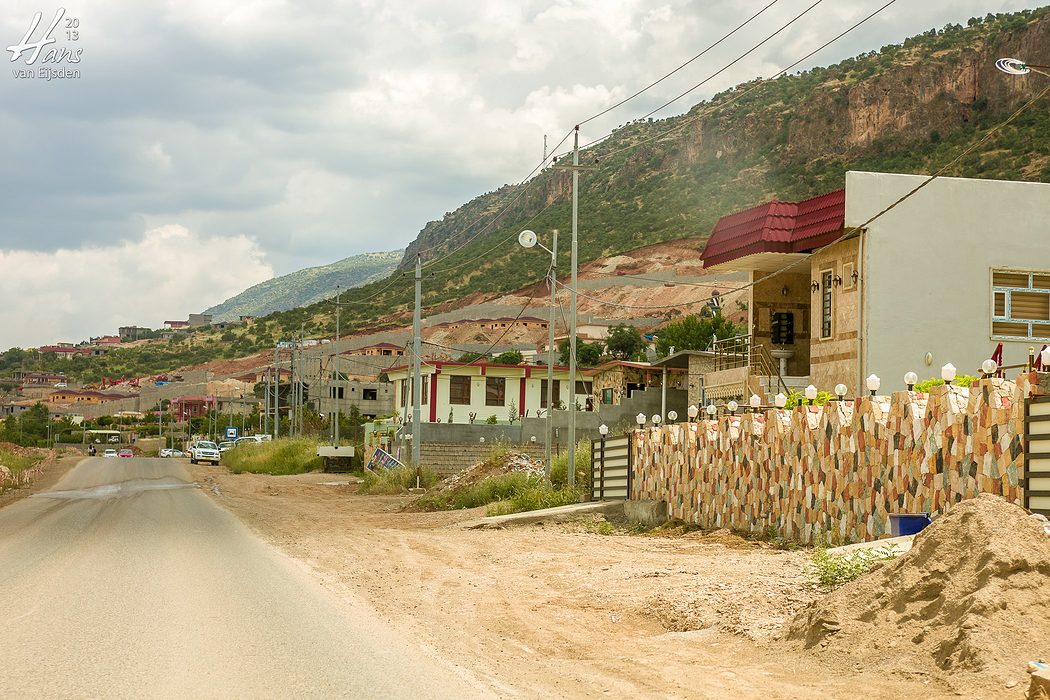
point(307, 286)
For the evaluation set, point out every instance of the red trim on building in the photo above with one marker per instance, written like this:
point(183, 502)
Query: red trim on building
point(434, 396)
point(777, 227)
point(521, 397)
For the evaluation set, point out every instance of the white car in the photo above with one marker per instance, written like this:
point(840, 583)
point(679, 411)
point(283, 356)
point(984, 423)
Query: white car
point(248, 440)
point(204, 451)
point(172, 452)
point(223, 446)
point(110, 453)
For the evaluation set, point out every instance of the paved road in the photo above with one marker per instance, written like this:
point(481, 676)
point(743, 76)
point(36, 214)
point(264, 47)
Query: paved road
point(125, 580)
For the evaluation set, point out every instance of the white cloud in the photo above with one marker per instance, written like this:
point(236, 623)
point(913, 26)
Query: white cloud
point(71, 294)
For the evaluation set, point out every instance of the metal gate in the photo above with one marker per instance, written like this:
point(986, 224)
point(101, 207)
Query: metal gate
point(1037, 454)
point(611, 468)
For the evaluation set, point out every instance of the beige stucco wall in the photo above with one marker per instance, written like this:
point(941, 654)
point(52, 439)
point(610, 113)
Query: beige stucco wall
point(834, 360)
point(699, 366)
point(928, 261)
point(767, 297)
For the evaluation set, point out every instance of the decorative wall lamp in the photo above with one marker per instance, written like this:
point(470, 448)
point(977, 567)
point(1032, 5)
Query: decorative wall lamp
point(732, 406)
point(840, 391)
point(693, 412)
point(948, 373)
point(811, 394)
point(780, 401)
point(855, 276)
point(910, 378)
point(656, 420)
point(989, 367)
point(755, 403)
point(1044, 355)
point(873, 383)
point(814, 286)
point(672, 416)
point(837, 280)
point(640, 419)
point(603, 429)
point(712, 410)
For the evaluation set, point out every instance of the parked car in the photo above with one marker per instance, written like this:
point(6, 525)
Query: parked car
point(248, 440)
point(125, 453)
point(223, 446)
point(172, 452)
point(110, 453)
point(204, 451)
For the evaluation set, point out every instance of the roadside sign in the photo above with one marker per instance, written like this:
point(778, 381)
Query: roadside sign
point(231, 432)
point(381, 459)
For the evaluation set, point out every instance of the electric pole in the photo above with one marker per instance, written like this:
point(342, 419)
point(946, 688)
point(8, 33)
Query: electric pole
point(338, 376)
point(276, 391)
point(572, 306)
point(550, 355)
point(417, 382)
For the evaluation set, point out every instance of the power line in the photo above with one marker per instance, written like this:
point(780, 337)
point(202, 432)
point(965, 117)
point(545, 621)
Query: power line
point(680, 67)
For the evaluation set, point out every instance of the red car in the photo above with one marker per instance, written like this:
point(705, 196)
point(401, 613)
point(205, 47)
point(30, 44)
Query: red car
point(126, 453)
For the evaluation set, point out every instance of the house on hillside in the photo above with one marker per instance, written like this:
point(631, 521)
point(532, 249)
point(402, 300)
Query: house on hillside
point(486, 390)
point(839, 291)
point(616, 381)
point(377, 350)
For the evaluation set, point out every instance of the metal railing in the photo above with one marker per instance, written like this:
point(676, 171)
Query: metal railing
point(740, 351)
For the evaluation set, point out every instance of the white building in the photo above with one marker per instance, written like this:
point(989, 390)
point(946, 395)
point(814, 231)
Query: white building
point(459, 389)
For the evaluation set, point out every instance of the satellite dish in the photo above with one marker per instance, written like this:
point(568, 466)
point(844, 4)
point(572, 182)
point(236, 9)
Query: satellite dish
point(527, 238)
point(1012, 66)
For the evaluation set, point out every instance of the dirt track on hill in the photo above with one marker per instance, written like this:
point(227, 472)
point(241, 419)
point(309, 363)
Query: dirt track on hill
point(560, 610)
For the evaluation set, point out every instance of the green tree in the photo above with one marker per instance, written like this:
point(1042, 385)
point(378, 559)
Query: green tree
point(470, 357)
point(587, 354)
point(624, 341)
point(511, 357)
point(694, 333)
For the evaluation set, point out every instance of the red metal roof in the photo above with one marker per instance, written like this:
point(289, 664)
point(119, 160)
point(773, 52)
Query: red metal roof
point(777, 227)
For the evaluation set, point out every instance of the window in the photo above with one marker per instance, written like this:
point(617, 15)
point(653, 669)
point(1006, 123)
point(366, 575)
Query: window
point(556, 394)
point(825, 304)
point(1021, 304)
point(495, 391)
point(424, 389)
point(583, 387)
point(370, 394)
point(607, 396)
point(335, 392)
point(459, 391)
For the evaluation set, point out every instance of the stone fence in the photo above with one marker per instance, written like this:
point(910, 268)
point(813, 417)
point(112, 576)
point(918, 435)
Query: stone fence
point(839, 470)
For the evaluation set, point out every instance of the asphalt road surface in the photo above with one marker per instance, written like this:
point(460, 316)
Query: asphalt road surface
point(125, 580)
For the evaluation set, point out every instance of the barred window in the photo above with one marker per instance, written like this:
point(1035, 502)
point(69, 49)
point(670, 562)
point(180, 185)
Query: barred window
point(459, 390)
point(495, 391)
point(825, 304)
point(1021, 304)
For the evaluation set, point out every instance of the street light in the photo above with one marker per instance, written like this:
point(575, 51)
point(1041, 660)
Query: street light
point(840, 391)
point(640, 419)
point(948, 373)
point(811, 394)
point(712, 410)
point(528, 239)
point(910, 378)
point(672, 416)
point(732, 406)
point(989, 367)
point(780, 400)
point(873, 383)
point(755, 402)
point(693, 412)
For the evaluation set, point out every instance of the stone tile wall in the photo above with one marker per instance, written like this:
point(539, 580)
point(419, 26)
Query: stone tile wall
point(839, 469)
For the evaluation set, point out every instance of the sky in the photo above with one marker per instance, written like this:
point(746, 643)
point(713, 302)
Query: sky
point(203, 146)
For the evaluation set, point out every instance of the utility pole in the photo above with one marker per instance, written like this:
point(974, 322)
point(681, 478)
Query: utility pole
point(545, 148)
point(576, 168)
point(572, 305)
point(417, 382)
point(276, 391)
point(550, 354)
point(338, 378)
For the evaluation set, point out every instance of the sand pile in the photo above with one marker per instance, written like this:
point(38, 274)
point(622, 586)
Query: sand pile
point(495, 465)
point(972, 595)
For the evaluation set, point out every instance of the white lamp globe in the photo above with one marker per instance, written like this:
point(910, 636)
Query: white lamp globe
point(603, 429)
point(873, 382)
point(482, 440)
point(693, 411)
point(754, 401)
point(780, 401)
point(672, 416)
point(811, 392)
point(711, 410)
point(911, 379)
point(1045, 357)
point(640, 418)
point(732, 406)
point(656, 419)
point(840, 391)
point(989, 366)
point(948, 372)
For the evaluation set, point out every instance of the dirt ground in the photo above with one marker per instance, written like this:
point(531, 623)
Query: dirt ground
point(560, 610)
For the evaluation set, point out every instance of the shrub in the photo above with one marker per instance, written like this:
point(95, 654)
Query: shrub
point(396, 480)
point(560, 466)
point(962, 380)
point(831, 571)
point(282, 456)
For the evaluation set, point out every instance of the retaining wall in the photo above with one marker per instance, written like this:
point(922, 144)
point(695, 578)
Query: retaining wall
point(842, 468)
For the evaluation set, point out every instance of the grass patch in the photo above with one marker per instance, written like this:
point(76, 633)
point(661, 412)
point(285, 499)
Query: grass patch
point(830, 571)
point(560, 466)
point(279, 457)
point(535, 496)
point(396, 480)
point(18, 463)
point(772, 537)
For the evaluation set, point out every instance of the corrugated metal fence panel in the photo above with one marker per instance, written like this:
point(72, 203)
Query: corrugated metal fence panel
point(611, 468)
point(1037, 454)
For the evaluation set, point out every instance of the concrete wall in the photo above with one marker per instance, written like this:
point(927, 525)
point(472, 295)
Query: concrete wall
point(834, 360)
point(699, 366)
point(926, 277)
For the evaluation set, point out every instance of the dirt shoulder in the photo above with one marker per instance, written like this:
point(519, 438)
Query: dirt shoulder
point(54, 468)
point(560, 610)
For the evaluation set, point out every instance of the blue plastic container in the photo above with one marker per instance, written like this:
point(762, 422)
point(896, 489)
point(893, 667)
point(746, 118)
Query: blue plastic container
point(908, 523)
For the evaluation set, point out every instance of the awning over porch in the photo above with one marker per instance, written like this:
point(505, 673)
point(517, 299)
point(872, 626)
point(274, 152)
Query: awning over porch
point(770, 235)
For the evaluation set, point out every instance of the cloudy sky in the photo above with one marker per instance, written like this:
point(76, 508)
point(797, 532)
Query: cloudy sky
point(210, 144)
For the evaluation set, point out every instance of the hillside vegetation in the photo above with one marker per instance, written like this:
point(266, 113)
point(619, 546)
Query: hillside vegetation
point(905, 108)
point(306, 287)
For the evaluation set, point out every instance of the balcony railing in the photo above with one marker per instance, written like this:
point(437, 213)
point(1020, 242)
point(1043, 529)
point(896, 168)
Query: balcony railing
point(741, 351)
